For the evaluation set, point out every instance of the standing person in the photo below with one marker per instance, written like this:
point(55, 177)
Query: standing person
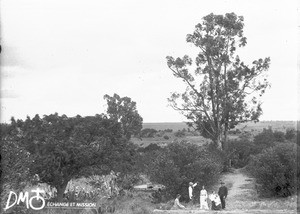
point(177, 204)
point(215, 201)
point(191, 187)
point(223, 194)
point(203, 199)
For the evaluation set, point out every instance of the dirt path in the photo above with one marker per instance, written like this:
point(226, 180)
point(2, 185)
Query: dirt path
point(241, 190)
point(242, 195)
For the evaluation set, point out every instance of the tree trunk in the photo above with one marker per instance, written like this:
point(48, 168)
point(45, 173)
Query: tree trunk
point(225, 147)
point(219, 143)
point(61, 190)
point(224, 141)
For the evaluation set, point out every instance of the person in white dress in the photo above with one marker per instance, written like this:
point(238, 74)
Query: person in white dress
point(203, 199)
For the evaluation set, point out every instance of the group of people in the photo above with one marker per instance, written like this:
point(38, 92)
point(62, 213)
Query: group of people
point(217, 200)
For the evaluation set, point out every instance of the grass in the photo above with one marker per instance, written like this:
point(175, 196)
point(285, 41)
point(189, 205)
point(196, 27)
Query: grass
point(137, 203)
point(289, 203)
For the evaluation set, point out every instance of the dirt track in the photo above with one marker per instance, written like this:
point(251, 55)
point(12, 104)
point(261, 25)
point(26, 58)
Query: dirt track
point(241, 189)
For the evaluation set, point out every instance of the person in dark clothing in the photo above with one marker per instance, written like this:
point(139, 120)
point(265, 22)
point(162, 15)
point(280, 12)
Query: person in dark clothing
point(223, 192)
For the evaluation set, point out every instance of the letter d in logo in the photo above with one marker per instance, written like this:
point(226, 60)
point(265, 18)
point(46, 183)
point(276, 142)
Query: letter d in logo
point(8, 200)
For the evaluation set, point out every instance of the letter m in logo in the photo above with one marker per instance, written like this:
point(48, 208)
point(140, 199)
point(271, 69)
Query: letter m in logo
point(23, 198)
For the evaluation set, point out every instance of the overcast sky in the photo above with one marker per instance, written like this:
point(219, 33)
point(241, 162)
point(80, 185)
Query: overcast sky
point(64, 56)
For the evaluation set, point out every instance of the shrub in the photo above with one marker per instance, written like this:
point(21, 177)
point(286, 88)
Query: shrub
point(166, 137)
point(293, 136)
point(279, 136)
point(146, 158)
point(148, 132)
point(239, 152)
point(152, 147)
point(275, 170)
point(179, 133)
point(265, 139)
point(290, 134)
point(181, 163)
point(138, 204)
point(128, 181)
point(234, 132)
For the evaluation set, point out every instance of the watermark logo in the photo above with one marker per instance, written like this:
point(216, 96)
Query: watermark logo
point(14, 199)
point(34, 200)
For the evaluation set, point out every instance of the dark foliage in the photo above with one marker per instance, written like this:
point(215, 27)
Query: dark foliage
point(148, 132)
point(152, 147)
point(124, 111)
point(275, 169)
point(166, 137)
point(239, 152)
point(15, 161)
point(62, 148)
point(179, 133)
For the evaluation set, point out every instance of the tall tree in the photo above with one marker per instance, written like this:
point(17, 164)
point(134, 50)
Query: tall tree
point(222, 91)
point(123, 110)
point(63, 148)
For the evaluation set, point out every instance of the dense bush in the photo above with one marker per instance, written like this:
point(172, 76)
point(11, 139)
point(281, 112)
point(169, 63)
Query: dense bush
point(234, 132)
point(279, 136)
point(181, 163)
point(239, 152)
point(148, 132)
point(290, 134)
point(127, 181)
point(265, 139)
point(152, 147)
point(179, 133)
point(275, 169)
point(146, 156)
point(166, 137)
point(293, 136)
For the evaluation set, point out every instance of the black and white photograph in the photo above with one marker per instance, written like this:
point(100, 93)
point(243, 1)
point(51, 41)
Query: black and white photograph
point(150, 107)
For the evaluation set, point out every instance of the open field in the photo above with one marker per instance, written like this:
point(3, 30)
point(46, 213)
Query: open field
point(251, 127)
point(259, 126)
point(144, 142)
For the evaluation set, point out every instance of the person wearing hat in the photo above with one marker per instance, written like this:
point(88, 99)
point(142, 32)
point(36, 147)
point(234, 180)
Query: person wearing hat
point(223, 194)
point(191, 187)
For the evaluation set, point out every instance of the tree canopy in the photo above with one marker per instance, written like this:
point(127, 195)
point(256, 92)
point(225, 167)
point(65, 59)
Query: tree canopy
point(123, 110)
point(63, 148)
point(222, 91)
